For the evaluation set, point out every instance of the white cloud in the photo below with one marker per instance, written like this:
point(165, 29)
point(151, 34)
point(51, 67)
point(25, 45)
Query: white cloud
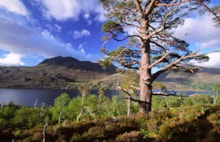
point(81, 48)
point(15, 6)
point(61, 10)
point(70, 9)
point(202, 33)
point(80, 34)
point(200, 30)
point(11, 59)
point(131, 30)
point(86, 15)
point(54, 27)
point(101, 13)
point(24, 39)
point(213, 60)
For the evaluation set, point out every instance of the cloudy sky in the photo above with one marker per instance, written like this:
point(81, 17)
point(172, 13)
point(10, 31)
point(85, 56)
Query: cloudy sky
point(32, 30)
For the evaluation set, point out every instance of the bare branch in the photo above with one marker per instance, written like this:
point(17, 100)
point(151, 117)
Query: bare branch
point(120, 53)
point(129, 24)
point(138, 5)
point(150, 7)
point(135, 87)
point(129, 65)
point(130, 97)
point(159, 60)
point(106, 41)
point(147, 3)
point(127, 37)
point(165, 93)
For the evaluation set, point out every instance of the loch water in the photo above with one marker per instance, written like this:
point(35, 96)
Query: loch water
point(35, 97)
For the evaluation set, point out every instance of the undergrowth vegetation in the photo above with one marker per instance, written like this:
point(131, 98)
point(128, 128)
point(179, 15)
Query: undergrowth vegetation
point(99, 118)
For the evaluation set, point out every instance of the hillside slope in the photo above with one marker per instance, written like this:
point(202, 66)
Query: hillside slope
point(58, 72)
point(69, 73)
point(201, 80)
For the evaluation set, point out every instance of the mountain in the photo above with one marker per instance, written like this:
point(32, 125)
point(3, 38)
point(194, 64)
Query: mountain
point(202, 80)
point(58, 72)
point(69, 73)
point(73, 63)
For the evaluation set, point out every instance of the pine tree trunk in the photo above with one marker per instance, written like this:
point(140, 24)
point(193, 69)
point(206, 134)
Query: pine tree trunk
point(145, 80)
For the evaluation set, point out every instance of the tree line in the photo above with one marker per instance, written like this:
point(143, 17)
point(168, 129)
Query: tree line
point(93, 107)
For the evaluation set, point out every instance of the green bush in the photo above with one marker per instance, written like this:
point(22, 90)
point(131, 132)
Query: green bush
point(27, 117)
point(3, 123)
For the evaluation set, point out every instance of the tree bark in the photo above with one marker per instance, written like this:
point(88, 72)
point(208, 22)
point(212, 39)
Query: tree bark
point(128, 106)
point(44, 131)
point(145, 80)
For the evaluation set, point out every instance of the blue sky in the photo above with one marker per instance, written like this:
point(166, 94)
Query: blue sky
point(33, 30)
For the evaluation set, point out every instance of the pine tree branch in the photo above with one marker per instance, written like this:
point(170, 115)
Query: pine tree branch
point(130, 97)
point(113, 37)
point(129, 24)
point(158, 45)
point(199, 1)
point(174, 4)
point(192, 55)
point(209, 10)
point(135, 87)
point(149, 8)
point(159, 60)
point(147, 3)
point(138, 6)
point(155, 75)
point(163, 23)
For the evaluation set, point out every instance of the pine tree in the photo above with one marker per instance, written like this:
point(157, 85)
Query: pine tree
point(152, 43)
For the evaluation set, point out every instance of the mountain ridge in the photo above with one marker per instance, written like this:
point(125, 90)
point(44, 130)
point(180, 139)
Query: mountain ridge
point(202, 80)
point(73, 63)
point(68, 73)
point(54, 73)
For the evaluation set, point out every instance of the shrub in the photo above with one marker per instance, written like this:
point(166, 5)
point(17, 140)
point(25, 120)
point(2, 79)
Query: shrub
point(214, 118)
point(27, 117)
point(132, 136)
point(94, 133)
point(3, 123)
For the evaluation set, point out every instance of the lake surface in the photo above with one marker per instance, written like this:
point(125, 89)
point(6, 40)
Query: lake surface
point(35, 97)
point(31, 97)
